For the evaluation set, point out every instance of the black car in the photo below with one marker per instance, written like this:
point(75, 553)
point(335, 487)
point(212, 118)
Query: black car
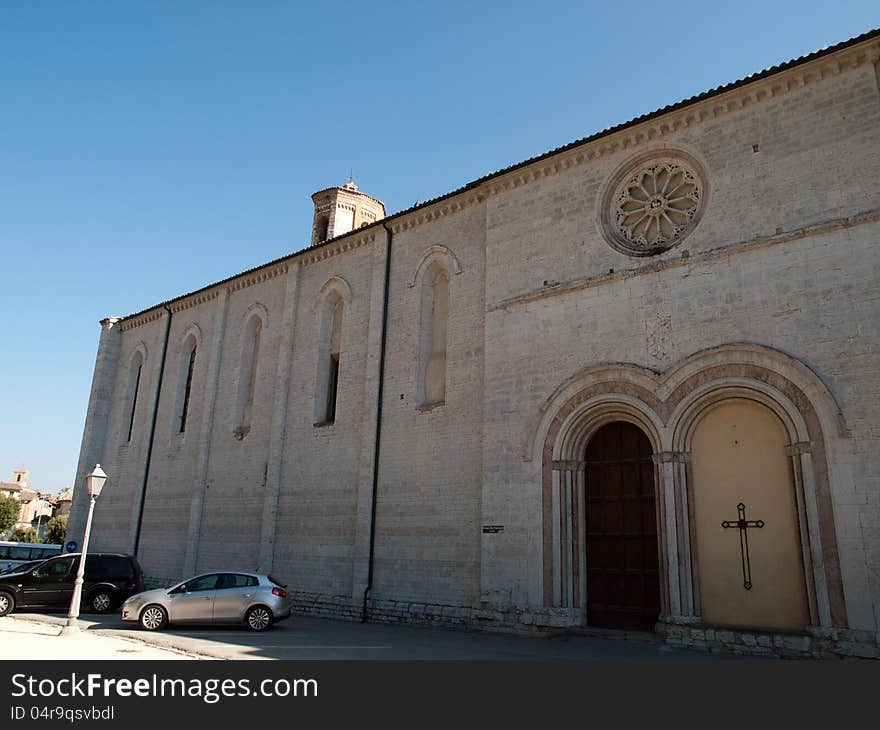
point(109, 579)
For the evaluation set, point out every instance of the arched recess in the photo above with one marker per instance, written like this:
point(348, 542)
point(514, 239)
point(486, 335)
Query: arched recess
point(253, 329)
point(664, 406)
point(330, 310)
point(433, 325)
point(817, 432)
point(133, 390)
point(188, 348)
point(563, 494)
point(816, 564)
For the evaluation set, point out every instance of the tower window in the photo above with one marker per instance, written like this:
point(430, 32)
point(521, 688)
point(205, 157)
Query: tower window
point(322, 228)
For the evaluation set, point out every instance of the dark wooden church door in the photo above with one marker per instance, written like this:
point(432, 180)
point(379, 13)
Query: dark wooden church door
point(623, 582)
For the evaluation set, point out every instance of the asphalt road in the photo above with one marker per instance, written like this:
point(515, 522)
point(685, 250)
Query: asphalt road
point(310, 638)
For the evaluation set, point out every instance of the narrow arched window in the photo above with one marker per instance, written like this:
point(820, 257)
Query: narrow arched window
point(322, 228)
point(185, 382)
point(432, 337)
point(327, 384)
point(131, 395)
point(247, 382)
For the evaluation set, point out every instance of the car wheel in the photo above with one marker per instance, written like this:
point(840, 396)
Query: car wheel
point(153, 618)
point(258, 618)
point(7, 603)
point(100, 601)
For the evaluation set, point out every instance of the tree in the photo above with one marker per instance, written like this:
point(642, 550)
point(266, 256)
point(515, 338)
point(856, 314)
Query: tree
point(25, 534)
point(9, 507)
point(56, 528)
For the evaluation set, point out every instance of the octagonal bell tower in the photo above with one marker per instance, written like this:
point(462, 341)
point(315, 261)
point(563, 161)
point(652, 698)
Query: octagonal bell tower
point(342, 209)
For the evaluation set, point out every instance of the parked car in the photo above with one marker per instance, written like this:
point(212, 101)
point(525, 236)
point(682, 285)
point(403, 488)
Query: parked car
point(108, 579)
point(221, 597)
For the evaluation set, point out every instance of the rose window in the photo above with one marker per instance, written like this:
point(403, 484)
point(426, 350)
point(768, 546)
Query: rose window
point(653, 205)
point(656, 205)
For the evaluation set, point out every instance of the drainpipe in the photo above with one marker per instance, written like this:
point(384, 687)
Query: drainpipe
point(140, 519)
point(378, 439)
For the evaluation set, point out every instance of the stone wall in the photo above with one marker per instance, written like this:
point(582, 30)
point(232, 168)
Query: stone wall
point(814, 644)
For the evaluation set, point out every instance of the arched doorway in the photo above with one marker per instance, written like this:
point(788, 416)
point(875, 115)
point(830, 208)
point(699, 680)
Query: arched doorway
point(620, 529)
point(749, 551)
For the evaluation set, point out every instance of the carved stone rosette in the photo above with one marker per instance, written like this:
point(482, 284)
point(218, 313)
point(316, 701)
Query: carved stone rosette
point(653, 203)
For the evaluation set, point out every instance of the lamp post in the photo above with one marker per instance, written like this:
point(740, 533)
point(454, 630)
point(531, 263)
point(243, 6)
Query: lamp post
point(39, 518)
point(94, 485)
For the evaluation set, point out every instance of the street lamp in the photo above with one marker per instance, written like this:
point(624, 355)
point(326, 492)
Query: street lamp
point(39, 517)
point(94, 485)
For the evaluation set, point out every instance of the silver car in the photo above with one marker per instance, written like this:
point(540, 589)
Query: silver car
point(221, 597)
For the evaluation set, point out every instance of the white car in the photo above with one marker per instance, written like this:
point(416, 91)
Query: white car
point(218, 597)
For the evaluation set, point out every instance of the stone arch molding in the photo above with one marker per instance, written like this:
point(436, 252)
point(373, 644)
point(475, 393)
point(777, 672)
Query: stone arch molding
point(335, 284)
point(443, 254)
point(580, 425)
point(661, 386)
point(193, 330)
point(260, 311)
point(666, 407)
point(139, 348)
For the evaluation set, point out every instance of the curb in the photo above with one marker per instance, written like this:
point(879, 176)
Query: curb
point(121, 634)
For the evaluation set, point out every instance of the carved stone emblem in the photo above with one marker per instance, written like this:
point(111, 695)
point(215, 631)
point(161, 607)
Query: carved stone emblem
point(657, 331)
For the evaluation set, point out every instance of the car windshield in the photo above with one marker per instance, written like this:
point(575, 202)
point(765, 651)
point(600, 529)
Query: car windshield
point(277, 582)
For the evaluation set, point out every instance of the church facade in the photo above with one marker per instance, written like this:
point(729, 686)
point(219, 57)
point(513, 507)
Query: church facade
point(631, 383)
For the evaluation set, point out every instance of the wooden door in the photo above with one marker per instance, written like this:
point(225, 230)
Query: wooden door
point(623, 582)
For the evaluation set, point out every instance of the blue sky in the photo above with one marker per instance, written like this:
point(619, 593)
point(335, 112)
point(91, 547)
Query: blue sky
point(150, 148)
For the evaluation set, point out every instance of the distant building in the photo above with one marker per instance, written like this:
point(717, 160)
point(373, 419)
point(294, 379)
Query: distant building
point(9, 489)
point(63, 502)
point(37, 508)
point(19, 482)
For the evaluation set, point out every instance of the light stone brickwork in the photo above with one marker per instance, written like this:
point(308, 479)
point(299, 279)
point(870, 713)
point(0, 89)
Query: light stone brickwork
point(776, 288)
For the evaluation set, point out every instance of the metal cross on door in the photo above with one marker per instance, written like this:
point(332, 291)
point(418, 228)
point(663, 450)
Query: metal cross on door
point(743, 525)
